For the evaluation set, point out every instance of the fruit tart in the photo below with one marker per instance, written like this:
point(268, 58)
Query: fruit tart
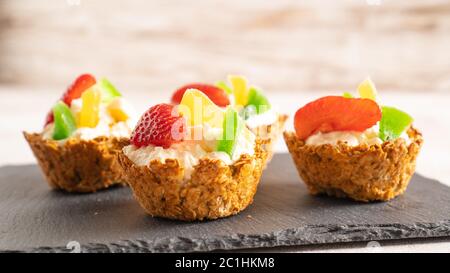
point(250, 102)
point(83, 134)
point(348, 146)
point(192, 161)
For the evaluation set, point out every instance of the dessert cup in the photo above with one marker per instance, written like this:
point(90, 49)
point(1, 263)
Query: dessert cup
point(182, 164)
point(83, 134)
point(78, 165)
point(363, 173)
point(214, 189)
point(354, 147)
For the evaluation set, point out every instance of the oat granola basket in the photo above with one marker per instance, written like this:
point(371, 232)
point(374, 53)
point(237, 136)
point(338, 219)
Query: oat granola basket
point(363, 173)
point(78, 165)
point(214, 190)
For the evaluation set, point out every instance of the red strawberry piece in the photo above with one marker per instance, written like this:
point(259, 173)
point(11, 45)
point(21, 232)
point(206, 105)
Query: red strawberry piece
point(81, 84)
point(214, 93)
point(336, 113)
point(161, 126)
point(49, 118)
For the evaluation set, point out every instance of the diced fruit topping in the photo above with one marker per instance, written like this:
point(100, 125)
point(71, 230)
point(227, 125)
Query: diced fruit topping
point(198, 109)
point(161, 126)
point(117, 108)
point(393, 123)
point(86, 100)
point(257, 99)
point(232, 128)
point(64, 124)
point(247, 101)
point(81, 84)
point(224, 86)
point(347, 95)
point(240, 89)
point(90, 109)
point(214, 93)
point(336, 113)
point(109, 91)
point(367, 90)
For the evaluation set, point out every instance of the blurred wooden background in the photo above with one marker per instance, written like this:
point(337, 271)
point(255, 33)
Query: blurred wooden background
point(280, 45)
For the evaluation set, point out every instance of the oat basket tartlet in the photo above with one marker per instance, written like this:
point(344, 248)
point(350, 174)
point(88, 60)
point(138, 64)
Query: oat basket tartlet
point(214, 189)
point(363, 172)
point(349, 147)
point(175, 175)
point(83, 136)
point(251, 103)
point(78, 165)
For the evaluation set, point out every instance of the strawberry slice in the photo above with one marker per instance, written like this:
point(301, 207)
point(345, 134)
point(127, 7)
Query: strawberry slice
point(214, 93)
point(336, 113)
point(81, 84)
point(160, 126)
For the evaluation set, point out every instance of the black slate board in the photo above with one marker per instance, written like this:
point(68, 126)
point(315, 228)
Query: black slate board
point(34, 218)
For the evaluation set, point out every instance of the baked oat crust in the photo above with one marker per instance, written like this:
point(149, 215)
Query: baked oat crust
point(215, 190)
point(269, 135)
point(363, 173)
point(78, 165)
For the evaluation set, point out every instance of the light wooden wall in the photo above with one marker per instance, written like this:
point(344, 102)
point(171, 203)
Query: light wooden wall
point(278, 44)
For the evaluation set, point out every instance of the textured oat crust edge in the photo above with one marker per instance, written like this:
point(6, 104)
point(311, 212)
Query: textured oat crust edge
point(363, 173)
point(78, 165)
point(215, 190)
point(269, 135)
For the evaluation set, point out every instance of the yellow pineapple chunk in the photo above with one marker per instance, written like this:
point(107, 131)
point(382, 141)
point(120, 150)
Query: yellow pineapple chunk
point(90, 109)
point(198, 109)
point(367, 90)
point(240, 89)
point(118, 110)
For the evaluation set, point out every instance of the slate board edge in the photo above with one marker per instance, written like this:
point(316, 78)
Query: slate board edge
point(308, 235)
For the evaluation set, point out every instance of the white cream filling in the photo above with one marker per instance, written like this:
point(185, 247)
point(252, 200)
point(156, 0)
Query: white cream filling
point(266, 118)
point(369, 137)
point(189, 152)
point(188, 155)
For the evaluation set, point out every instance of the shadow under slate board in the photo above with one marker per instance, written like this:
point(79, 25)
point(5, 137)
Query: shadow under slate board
point(35, 218)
